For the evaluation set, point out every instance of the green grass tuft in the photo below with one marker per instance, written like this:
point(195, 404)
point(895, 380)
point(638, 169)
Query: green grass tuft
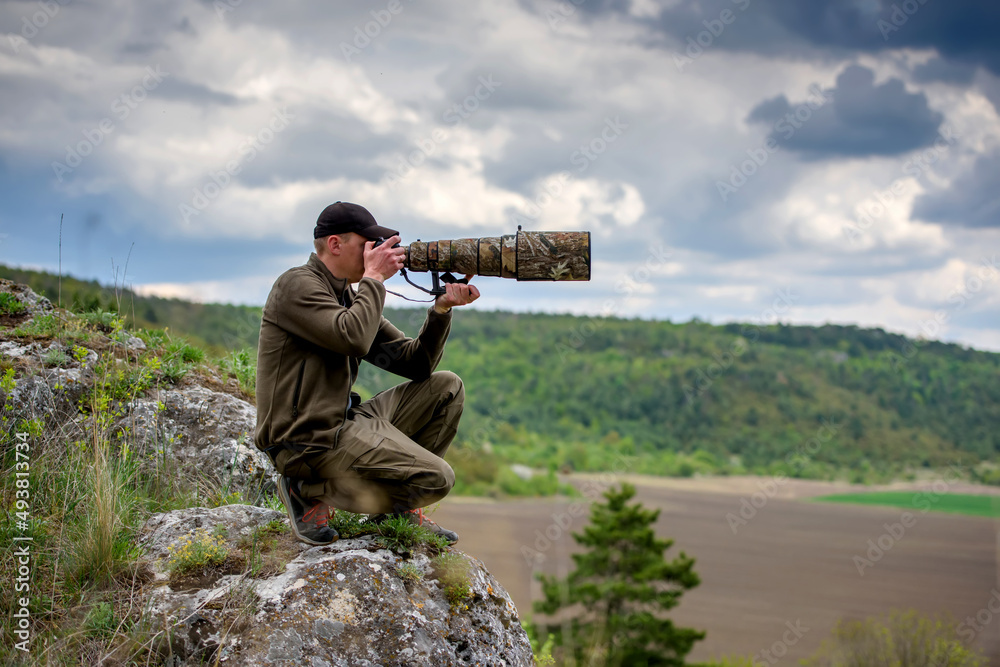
point(10, 305)
point(242, 365)
point(400, 534)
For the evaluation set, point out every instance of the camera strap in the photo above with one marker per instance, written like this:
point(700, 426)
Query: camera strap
point(436, 290)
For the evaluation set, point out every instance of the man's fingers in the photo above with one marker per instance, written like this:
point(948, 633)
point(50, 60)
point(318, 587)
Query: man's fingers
point(473, 292)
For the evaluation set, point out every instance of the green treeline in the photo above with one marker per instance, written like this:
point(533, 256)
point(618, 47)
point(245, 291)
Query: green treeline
point(682, 398)
point(218, 327)
point(578, 393)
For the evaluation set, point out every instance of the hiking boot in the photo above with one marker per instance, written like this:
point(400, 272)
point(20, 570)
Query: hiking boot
point(418, 517)
point(307, 519)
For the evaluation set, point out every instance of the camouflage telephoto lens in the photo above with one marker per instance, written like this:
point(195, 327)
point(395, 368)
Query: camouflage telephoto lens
point(548, 256)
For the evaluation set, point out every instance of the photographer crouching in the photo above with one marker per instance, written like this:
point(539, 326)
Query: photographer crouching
point(383, 456)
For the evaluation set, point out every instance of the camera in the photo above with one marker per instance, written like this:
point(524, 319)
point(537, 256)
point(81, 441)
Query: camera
point(381, 241)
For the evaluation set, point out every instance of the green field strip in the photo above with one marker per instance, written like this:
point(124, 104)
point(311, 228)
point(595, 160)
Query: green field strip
point(923, 501)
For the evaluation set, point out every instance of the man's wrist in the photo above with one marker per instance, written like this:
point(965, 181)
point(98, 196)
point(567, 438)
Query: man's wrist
point(374, 276)
point(441, 310)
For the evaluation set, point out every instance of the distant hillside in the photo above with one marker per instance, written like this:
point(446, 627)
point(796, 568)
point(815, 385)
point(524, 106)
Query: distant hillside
point(219, 327)
point(658, 397)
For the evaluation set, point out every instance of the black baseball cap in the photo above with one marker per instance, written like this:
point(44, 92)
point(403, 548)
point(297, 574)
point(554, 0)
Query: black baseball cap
point(342, 217)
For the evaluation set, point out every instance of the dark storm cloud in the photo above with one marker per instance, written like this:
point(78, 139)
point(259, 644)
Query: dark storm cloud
point(944, 71)
point(322, 146)
point(857, 118)
point(960, 30)
point(506, 86)
point(970, 201)
point(528, 146)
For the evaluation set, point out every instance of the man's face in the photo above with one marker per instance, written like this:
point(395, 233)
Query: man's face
point(352, 256)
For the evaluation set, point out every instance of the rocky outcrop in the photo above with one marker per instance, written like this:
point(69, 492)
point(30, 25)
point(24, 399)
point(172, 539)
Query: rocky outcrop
point(193, 432)
point(348, 603)
point(202, 433)
point(271, 600)
point(34, 303)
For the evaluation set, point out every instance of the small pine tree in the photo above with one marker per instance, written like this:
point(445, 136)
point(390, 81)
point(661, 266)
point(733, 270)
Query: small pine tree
point(615, 597)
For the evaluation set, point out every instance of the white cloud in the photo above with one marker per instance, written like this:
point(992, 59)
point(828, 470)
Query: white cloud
point(354, 122)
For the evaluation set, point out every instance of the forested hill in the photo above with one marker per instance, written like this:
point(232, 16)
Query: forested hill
point(594, 393)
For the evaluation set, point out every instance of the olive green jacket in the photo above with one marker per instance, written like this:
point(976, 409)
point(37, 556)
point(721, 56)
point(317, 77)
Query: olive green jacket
point(314, 333)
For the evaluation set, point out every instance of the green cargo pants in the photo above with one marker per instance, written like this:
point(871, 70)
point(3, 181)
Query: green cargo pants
point(390, 454)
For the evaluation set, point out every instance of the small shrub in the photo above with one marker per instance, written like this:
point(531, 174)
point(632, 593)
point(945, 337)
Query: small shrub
point(452, 570)
point(10, 305)
point(103, 320)
point(196, 551)
point(7, 381)
point(100, 621)
point(904, 638)
point(43, 326)
point(173, 370)
point(118, 380)
point(55, 356)
point(181, 350)
point(410, 572)
point(242, 365)
point(80, 354)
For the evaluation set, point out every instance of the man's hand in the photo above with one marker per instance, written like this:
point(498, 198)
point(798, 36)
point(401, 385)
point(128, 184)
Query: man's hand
point(456, 294)
point(383, 262)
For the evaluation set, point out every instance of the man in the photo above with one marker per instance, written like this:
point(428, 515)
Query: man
point(383, 456)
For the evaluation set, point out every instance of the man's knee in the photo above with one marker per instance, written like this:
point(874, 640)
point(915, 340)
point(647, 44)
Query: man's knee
point(440, 476)
point(428, 486)
point(448, 477)
point(446, 382)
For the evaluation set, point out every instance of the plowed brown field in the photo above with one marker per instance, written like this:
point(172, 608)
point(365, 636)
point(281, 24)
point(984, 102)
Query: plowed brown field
point(791, 565)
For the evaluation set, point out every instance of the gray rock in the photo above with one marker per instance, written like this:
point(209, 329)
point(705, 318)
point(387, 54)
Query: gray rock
point(340, 604)
point(32, 398)
point(161, 531)
point(202, 433)
point(16, 350)
point(35, 304)
point(522, 471)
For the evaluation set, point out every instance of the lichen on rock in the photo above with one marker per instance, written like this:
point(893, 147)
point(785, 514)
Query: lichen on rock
point(341, 604)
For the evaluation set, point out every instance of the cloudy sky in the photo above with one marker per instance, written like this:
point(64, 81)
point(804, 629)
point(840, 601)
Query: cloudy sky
point(753, 160)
